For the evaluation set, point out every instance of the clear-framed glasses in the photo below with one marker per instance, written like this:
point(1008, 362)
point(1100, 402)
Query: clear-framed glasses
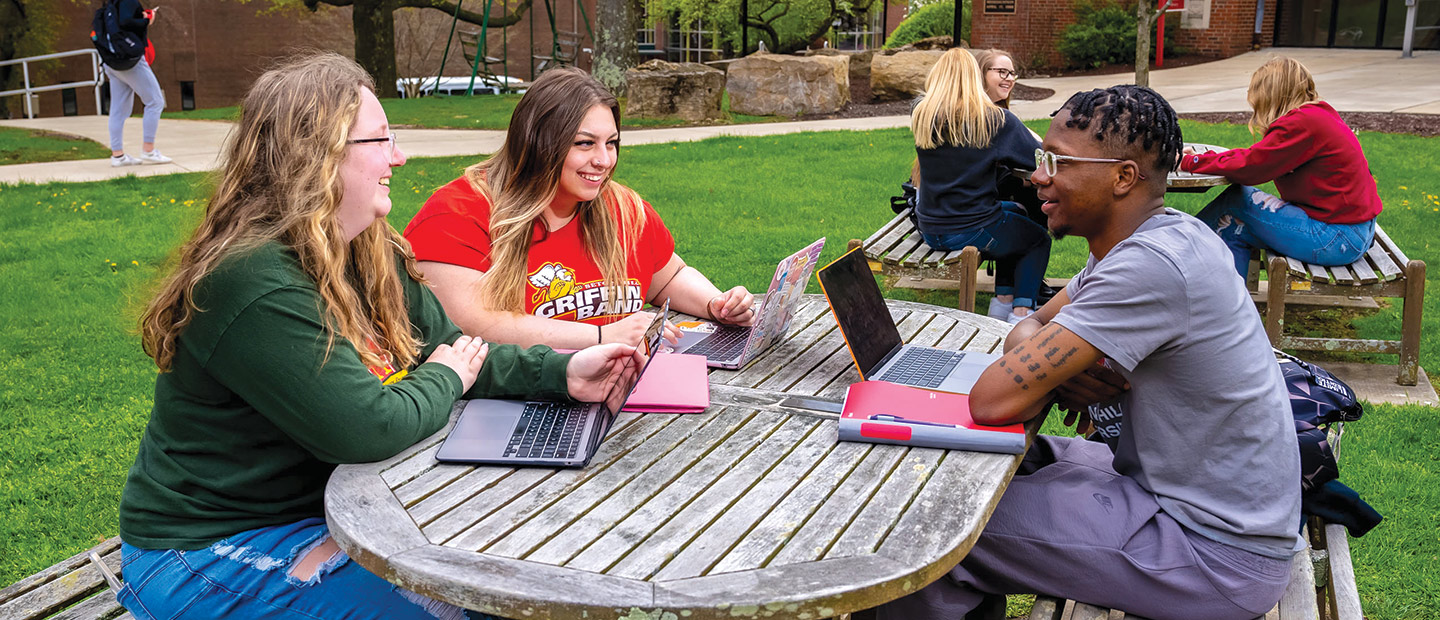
point(388, 140)
point(1049, 162)
point(1005, 74)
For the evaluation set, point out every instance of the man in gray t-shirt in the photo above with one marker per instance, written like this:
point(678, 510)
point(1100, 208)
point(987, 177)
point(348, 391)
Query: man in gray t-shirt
point(1191, 506)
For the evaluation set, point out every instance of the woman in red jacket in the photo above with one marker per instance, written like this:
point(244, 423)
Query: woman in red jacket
point(1326, 210)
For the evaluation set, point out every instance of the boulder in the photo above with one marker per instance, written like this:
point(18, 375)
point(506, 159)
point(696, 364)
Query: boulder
point(687, 90)
point(765, 84)
point(901, 75)
point(859, 62)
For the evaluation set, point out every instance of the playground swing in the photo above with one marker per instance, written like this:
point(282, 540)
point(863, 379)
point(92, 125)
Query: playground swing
point(564, 48)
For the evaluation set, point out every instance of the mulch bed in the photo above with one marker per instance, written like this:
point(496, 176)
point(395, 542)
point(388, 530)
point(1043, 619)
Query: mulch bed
point(1427, 125)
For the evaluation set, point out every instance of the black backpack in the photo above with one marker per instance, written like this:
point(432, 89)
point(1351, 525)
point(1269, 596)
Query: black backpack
point(1317, 400)
point(119, 49)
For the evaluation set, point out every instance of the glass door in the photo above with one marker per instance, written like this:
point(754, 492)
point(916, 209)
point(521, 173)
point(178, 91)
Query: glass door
point(1304, 23)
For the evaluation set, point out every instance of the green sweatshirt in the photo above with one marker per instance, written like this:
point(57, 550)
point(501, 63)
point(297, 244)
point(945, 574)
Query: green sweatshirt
point(252, 418)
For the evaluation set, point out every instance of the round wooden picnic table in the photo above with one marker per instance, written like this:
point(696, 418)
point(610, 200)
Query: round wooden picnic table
point(750, 509)
point(1179, 181)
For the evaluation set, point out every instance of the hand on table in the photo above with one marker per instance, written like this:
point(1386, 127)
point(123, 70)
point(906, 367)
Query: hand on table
point(631, 330)
point(1098, 384)
point(735, 307)
point(465, 356)
point(593, 371)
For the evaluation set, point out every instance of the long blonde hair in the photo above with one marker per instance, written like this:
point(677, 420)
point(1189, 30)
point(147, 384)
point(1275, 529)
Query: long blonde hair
point(279, 180)
point(1277, 87)
point(955, 109)
point(522, 177)
point(986, 60)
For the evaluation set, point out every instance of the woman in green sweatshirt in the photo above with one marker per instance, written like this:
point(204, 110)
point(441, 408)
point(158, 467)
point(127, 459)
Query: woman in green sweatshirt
point(295, 335)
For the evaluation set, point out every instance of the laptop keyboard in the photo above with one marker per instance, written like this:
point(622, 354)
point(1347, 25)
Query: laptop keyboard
point(922, 367)
point(726, 343)
point(548, 430)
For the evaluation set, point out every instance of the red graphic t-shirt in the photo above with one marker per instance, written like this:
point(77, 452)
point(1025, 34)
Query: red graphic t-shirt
point(562, 281)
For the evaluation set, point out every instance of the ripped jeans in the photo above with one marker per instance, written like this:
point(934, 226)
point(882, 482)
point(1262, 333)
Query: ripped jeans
point(248, 575)
point(1247, 218)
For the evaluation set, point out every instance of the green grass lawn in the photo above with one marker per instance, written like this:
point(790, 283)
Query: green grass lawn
point(24, 146)
point(77, 261)
point(479, 112)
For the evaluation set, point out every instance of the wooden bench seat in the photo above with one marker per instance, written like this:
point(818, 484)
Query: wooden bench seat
point(1384, 271)
point(897, 250)
point(1322, 585)
point(74, 589)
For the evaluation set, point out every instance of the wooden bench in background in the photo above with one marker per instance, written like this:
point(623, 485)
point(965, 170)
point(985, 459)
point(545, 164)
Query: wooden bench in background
point(74, 589)
point(1384, 271)
point(897, 250)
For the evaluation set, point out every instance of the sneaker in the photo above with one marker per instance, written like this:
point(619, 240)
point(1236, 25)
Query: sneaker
point(154, 157)
point(124, 159)
point(999, 309)
point(1014, 319)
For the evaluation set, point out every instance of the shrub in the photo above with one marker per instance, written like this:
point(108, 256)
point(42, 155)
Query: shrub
point(1104, 33)
point(931, 20)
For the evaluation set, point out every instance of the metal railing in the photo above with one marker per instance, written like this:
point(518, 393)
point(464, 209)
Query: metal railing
point(97, 78)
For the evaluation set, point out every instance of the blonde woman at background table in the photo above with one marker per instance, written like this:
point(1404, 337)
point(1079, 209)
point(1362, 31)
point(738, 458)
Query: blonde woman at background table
point(539, 245)
point(295, 335)
point(1325, 213)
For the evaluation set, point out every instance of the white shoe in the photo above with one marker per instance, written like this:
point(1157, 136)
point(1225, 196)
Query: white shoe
point(999, 309)
point(1014, 319)
point(154, 157)
point(124, 159)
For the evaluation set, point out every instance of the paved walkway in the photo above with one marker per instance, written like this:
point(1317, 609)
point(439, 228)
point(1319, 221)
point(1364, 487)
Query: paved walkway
point(1351, 80)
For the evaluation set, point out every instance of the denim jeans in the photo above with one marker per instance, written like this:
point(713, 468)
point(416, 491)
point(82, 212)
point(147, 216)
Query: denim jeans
point(1247, 218)
point(1018, 245)
point(248, 576)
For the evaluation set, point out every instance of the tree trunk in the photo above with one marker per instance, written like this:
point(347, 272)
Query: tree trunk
point(17, 24)
point(616, 22)
point(1142, 43)
point(374, 25)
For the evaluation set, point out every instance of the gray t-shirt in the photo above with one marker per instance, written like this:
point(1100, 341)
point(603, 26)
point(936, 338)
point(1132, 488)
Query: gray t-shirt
point(1206, 424)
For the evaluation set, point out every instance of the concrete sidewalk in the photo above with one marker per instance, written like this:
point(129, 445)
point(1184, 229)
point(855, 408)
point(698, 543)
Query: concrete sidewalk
point(1351, 80)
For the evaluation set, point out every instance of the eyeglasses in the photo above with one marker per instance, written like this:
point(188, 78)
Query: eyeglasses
point(388, 140)
point(1005, 74)
point(1050, 162)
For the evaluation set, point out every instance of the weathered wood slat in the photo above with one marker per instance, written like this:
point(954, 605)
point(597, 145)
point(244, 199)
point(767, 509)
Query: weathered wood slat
point(662, 490)
point(1082, 611)
point(60, 569)
point(1298, 602)
point(101, 605)
point(692, 538)
point(1318, 272)
point(1389, 247)
point(61, 586)
point(520, 510)
point(1384, 264)
point(1046, 608)
point(1363, 272)
point(964, 483)
point(892, 237)
point(1297, 267)
point(877, 517)
point(836, 512)
point(785, 591)
point(911, 243)
point(1341, 275)
point(1342, 574)
point(899, 220)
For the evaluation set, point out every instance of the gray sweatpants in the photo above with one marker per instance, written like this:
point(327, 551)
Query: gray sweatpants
point(1070, 526)
point(124, 86)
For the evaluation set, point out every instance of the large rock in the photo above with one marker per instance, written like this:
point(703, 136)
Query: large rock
point(859, 61)
point(764, 84)
point(687, 90)
point(901, 75)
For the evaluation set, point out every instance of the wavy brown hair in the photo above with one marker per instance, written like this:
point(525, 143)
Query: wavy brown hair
point(521, 179)
point(279, 181)
point(955, 109)
point(1277, 87)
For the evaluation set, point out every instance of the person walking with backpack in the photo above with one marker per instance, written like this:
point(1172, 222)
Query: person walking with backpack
point(119, 25)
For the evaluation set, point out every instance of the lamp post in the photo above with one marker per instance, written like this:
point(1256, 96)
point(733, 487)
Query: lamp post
point(1410, 10)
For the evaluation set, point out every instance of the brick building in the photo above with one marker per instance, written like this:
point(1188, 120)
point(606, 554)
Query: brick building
point(1222, 28)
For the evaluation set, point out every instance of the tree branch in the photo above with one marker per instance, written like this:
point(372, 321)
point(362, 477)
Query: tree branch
point(472, 17)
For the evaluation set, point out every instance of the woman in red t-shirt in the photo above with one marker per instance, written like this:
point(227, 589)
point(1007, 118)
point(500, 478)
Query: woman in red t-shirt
point(1326, 210)
point(537, 245)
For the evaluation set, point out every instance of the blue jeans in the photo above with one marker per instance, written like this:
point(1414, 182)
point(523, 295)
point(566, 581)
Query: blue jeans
point(1018, 245)
point(1247, 218)
point(248, 576)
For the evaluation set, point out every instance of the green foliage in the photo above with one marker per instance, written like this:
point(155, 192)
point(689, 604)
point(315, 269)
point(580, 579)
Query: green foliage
point(1104, 33)
point(31, 28)
point(931, 20)
point(23, 146)
point(795, 23)
point(77, 261)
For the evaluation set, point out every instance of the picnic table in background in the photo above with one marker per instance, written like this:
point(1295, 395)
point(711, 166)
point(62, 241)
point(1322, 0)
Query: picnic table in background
point(751, 509)
point(1179, 181)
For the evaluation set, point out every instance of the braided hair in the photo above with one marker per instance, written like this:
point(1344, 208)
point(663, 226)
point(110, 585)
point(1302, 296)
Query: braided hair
point(1130, 121)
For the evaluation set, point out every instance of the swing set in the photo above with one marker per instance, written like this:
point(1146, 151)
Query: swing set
point(564, 49)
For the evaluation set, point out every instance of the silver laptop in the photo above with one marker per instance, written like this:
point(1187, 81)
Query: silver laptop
point(733, 346)
point(875, 343)
point(551, 434)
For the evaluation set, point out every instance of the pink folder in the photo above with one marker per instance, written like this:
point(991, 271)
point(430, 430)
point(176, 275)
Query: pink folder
point(674, 383)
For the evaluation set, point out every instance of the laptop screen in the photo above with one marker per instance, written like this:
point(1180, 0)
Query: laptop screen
point(630, 375)
point(859, 309)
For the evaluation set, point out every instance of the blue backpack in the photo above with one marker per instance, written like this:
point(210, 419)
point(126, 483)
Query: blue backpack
point(1317, 400)
point(119, 49)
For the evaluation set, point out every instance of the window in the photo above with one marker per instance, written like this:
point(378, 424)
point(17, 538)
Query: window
point(67, 98)
point(187, 95)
